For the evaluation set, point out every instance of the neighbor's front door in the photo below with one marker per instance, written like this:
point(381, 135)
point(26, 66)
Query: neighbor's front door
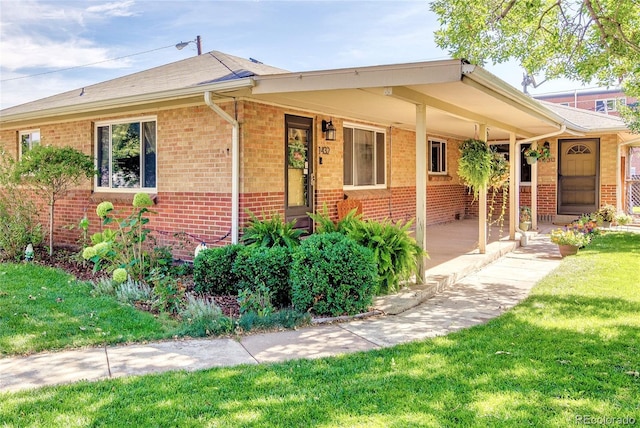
point(578, 176)
point(298, 170)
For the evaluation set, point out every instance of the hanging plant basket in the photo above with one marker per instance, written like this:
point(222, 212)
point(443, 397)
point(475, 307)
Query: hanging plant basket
point(474, 166)
point(531, 160)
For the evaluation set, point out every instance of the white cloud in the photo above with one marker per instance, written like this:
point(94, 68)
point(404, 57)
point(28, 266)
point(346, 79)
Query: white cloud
point(53, 35)
point(121, 8)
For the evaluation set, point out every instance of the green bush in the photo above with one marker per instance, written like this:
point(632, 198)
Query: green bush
point(332, 275)
point(202, 317)
point(213, 270)
point(269, 267)
point(396, 252)
point(19, 223)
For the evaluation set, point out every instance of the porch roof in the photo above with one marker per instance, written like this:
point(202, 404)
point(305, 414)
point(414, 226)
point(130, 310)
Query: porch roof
point(457, 96)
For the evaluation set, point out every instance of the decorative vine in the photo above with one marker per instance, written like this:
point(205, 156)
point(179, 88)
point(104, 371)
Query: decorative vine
point(498, 183)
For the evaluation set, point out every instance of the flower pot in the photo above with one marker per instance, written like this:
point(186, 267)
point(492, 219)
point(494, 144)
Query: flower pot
point(568, 250)
point(531, 160)
point(525, 225)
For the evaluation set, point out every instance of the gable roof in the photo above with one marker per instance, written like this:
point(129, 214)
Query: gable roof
point(457, 96)
point(195, 72)
point(590, 120)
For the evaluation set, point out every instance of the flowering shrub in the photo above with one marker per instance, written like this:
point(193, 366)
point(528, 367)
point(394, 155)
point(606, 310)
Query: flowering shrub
point(122, 247)
point(120, 275)
point(103, 209)
point(570, 237)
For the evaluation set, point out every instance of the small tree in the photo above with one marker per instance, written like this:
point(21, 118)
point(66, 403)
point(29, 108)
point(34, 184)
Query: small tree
point(52, 172)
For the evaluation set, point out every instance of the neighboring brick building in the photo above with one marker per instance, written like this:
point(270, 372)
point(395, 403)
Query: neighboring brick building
point(607, 101)
point(213, 136)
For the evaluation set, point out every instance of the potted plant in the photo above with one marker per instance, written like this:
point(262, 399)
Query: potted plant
point(569, 241)
point(606, 214)
point(534, 154)
point(623, 219)
point(525, 218)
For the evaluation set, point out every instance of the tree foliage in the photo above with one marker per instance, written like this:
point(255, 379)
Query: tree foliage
point(584, 40)
point(52, 172)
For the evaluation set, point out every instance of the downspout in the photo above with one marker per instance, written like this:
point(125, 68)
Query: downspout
point(534, 179)
point(235, 165)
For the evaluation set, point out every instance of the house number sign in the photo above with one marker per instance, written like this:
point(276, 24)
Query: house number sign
point(324, 150)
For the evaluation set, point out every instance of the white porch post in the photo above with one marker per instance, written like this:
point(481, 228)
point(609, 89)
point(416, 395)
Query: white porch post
point(421, 183)
point(534, 191)
point(514, 203)
point(482, 205)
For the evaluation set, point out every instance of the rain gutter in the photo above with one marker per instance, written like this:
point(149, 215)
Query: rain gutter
point(235, 165)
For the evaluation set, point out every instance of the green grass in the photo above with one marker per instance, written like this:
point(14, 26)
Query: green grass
point(571, 349)
point(46, 309)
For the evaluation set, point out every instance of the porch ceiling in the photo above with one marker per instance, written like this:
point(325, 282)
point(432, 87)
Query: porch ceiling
point(454, 102)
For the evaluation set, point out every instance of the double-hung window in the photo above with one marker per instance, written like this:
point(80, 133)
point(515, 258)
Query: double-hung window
point(437, 156)
point(364, 157)
point(126, 153)
point(28, 140)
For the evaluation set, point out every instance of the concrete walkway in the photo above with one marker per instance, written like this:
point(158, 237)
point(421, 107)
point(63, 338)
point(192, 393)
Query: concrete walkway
point(461, 292)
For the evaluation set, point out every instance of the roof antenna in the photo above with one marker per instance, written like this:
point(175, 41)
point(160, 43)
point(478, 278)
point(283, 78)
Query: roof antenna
point(529, 79)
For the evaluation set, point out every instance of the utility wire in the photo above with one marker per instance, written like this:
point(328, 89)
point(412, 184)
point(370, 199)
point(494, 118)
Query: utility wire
point(85, 65)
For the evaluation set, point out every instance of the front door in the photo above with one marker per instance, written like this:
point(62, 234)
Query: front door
point(578, 176)
point(298, 171)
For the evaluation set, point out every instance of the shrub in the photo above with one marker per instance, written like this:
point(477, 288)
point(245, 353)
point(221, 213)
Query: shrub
point(202, 317)
point(124, 246)
point(51, 172)
point(332, 275)
point(395, 251)
point(103, 287)
point(133, 291)
point(213, 270)
point(265, 267)
point(19, 225)
point(271, 232)
point(256, 300)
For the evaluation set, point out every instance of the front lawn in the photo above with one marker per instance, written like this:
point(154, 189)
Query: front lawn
point(568, 354)
point(46, 309)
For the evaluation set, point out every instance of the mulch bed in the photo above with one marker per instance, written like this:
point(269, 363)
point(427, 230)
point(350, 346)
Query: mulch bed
point(66, 260)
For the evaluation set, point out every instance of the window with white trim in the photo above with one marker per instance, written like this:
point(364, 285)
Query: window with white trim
point(126, 153)
point(437, 156)
point(364, 157)
point(610, 104)
point(28, 140)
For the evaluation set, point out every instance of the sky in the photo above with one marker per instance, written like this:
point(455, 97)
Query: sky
point(49, 47)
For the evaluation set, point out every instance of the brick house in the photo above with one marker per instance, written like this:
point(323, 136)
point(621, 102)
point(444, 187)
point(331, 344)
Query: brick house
point(606, 101)
point(215, 135)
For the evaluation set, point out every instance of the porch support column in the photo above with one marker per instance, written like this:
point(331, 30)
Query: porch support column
point(514, 205)
point(534, 191)
point(482, 205)
point(421, 185)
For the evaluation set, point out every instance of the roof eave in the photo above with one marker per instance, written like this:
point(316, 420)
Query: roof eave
point(360, 77)
point(479, 77)
point(218, 87)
